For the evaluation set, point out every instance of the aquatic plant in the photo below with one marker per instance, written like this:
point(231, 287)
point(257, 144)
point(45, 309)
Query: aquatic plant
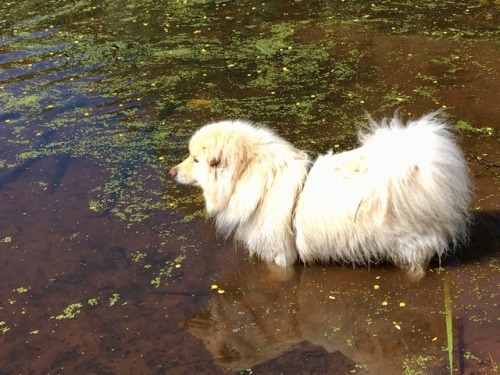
point(4, 328)
point(449, 322)
point(114, 299)
point(69, 312)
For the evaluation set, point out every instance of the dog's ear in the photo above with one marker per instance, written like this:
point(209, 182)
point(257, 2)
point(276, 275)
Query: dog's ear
point(223, 158)
point(214, 161)
point(213, 154)
point(233, 155)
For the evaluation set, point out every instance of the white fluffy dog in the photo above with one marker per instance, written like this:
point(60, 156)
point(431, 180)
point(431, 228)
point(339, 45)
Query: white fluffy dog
point(403, 196)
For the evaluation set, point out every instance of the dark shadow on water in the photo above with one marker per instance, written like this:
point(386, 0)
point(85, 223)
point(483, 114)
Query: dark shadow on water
point(341, 319)
point(484, 241)
point(19, 171)
point(63, 163)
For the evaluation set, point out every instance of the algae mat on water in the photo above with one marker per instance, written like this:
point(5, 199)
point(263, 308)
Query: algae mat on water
point(98, 99)
point(126, 85)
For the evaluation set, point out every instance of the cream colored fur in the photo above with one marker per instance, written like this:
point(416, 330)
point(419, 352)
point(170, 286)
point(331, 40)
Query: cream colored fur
point(402, 196)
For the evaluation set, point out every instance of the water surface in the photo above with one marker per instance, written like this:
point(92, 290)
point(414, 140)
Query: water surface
point(109, 267)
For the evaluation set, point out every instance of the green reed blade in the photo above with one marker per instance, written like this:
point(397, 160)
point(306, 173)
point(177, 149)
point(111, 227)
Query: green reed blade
point(449, 323)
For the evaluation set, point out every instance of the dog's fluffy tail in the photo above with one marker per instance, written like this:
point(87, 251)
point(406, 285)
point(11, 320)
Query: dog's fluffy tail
point(419, 176)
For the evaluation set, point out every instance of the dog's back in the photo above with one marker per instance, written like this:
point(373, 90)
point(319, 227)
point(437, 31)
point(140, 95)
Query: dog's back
point(402, 196)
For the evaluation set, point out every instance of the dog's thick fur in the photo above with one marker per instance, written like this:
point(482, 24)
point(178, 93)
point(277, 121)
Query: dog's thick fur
point(403, 196)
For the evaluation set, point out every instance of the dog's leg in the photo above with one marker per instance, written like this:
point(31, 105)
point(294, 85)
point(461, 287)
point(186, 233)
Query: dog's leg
point(414, 274)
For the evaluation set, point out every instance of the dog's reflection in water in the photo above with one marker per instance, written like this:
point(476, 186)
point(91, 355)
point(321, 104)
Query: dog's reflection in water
point(375, 317)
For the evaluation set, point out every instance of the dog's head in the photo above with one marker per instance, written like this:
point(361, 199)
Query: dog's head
point(198, 168)
point(214, 148)
point(218, 154)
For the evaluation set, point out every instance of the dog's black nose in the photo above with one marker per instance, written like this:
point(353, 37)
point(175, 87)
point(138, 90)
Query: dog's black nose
point(173, 171)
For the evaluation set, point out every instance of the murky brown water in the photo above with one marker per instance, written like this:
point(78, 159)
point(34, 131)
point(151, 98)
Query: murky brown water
point(108, 267)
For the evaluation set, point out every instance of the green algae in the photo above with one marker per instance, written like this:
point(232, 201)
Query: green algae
point(69, 312)
point(109, 75)
point(486, 131)
point(113, 300)
point(124, 86)
point(4, 328)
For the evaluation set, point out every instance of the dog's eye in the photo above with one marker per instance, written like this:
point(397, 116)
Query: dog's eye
point(195, 159)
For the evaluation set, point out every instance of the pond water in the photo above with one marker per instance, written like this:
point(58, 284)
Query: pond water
point(109, 267)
